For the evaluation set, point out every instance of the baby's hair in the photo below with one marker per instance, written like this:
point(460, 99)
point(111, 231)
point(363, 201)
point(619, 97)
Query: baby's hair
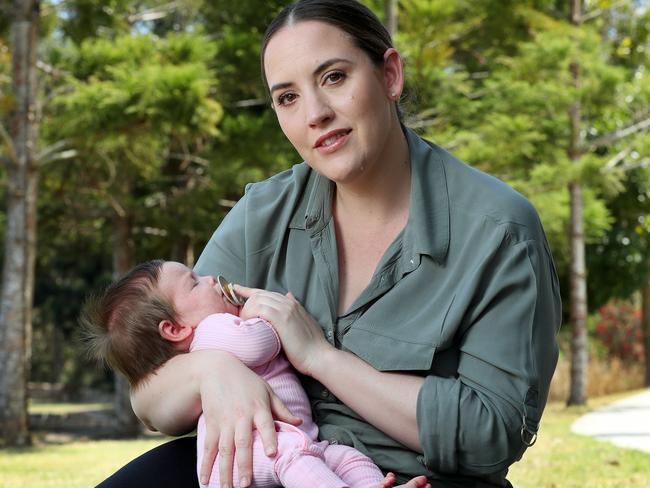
point(120, 324)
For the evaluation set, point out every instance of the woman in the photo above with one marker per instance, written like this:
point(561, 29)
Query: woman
point(431, 304)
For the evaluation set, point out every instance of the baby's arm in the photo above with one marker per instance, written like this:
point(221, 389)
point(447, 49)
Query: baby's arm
point(253, 341)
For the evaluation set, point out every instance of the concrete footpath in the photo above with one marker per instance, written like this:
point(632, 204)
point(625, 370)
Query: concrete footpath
point(625, 423)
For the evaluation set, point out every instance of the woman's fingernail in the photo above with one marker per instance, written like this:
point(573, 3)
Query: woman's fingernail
point(270, 451)
point(243, 482)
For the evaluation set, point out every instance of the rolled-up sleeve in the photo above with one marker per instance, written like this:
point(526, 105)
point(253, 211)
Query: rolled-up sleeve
point(472, 423)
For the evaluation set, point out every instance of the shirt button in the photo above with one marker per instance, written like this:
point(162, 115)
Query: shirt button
point(330, 334)
point(334, 442)
point(324, 393)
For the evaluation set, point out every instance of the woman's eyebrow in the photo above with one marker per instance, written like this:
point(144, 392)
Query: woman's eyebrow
point(321, 67)
point(326, 64)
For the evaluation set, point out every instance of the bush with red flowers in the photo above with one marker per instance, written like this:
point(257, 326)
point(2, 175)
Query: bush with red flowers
point(619, 330)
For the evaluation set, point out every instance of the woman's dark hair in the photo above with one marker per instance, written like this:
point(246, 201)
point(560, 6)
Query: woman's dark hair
point(357, 20)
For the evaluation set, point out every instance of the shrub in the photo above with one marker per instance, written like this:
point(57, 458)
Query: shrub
point(619, 329)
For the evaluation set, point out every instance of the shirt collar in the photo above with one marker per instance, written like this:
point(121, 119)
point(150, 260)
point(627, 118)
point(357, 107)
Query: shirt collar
point(427, 230)
point(428, 224)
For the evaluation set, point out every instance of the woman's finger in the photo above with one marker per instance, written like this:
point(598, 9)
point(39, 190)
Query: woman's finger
point(244, 451)
point(265, 426)
point(245, 291)
point(226, 458)
point(209, 453)
point(282, 413)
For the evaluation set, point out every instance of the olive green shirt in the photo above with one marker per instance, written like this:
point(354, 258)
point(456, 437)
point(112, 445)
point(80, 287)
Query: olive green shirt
point(466, 296)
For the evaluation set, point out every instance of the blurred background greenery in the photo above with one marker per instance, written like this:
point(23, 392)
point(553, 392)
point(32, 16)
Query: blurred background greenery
point(153, 117)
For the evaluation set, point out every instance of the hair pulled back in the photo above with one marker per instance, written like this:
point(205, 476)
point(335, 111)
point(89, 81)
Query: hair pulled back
point(365, 29)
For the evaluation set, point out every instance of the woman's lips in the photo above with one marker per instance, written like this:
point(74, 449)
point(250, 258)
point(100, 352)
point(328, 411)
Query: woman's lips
point(332, 141)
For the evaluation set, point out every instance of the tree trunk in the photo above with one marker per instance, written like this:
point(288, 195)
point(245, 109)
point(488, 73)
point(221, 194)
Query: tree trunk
point(20, 237)
point(645, 325)
point(390, 10)
point(123, 261)
point(578, 390)
point(57, 354)
point(578, 273)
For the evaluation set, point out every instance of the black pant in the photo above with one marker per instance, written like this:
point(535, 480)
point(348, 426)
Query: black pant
point(172, 464)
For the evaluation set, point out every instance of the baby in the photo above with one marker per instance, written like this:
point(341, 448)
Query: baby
point(160, 309)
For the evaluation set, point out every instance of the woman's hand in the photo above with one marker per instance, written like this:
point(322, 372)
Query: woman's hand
point(301, 336)
point(235, 401)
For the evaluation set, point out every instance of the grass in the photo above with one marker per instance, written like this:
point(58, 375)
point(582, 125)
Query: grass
point(62, 408)
point(77, 464)
point(559, 459)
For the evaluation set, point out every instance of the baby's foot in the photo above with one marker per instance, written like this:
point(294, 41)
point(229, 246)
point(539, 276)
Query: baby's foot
point(417, 482)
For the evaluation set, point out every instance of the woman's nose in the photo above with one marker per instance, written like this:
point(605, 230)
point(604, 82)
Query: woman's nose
point(319, 110)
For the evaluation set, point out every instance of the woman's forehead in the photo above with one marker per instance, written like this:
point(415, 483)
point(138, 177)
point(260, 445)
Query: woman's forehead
point(306, 45)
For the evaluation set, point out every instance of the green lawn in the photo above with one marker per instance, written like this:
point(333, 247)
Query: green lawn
point(79, 464)
point(559, 459)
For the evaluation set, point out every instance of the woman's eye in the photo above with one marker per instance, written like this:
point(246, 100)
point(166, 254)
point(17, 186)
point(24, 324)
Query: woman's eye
point(286, 98)
point(334, 77)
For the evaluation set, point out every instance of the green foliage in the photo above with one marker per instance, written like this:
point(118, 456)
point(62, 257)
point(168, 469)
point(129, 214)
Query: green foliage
point(160, 112)
point(82, 19)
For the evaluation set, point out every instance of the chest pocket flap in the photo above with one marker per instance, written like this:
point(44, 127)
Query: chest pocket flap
point(387, 353)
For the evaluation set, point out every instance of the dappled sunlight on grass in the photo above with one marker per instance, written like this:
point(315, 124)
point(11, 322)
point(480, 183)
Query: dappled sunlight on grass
point(62, 408)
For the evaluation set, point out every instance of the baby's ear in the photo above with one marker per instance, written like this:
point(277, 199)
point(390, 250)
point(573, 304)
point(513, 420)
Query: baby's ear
point(174, 332)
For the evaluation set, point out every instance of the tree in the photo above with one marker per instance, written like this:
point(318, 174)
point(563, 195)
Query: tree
point(549, 106)
point(623, 251)
point(20, 236)
point(578, 270)
point(138, 111)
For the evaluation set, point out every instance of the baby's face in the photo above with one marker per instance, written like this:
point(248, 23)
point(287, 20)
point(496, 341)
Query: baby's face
point(194, 297)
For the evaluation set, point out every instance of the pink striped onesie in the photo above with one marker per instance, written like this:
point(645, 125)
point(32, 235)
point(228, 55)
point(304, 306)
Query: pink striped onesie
point(301, 460)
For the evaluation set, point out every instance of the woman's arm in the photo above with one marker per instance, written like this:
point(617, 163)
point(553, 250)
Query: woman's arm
point(158, 408)
point(234, 401)
point(386, 400)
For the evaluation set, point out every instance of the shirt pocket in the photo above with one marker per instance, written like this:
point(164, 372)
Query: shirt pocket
point(389, 353)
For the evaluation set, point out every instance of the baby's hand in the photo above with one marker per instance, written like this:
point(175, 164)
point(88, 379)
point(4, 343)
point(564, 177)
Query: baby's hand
point(389, 481)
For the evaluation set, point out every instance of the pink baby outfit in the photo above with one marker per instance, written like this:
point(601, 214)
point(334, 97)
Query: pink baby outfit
point(301, 460)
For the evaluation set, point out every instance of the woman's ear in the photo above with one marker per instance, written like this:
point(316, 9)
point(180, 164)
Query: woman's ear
point(174, 332)
point(393, 71)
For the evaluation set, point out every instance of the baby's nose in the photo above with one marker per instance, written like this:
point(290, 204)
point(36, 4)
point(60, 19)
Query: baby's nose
point(212, 280)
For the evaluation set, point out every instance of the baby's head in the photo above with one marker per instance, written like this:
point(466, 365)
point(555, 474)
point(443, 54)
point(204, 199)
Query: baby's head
point(148, 316)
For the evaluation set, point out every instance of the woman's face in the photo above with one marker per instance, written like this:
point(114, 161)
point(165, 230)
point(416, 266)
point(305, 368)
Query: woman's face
point(332, 102)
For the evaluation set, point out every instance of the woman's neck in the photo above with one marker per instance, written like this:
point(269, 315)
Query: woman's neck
point(383, 191)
